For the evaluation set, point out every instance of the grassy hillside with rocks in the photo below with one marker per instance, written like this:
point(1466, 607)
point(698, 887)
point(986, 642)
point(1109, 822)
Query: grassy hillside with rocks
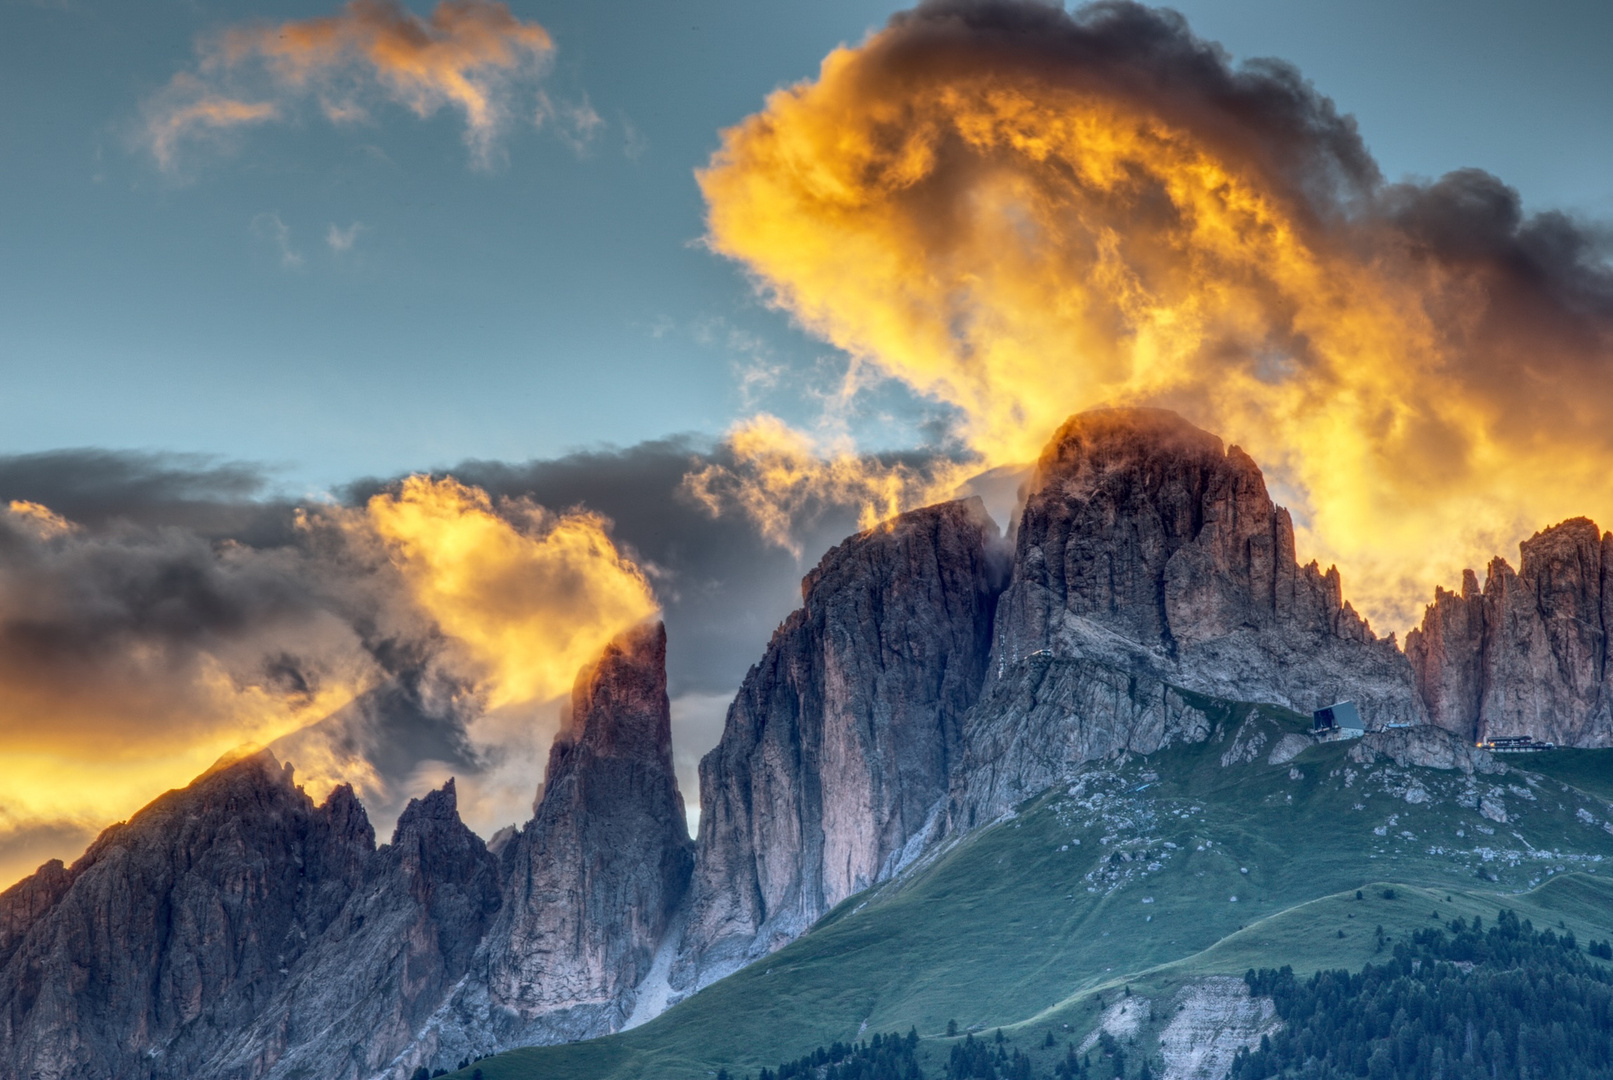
point(1123, 907)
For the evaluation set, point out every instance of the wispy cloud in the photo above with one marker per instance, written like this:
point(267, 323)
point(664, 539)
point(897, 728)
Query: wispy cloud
point(473, 56)
point(576, 122)
point(342, 240)
point(271, 228)
point(188, 108)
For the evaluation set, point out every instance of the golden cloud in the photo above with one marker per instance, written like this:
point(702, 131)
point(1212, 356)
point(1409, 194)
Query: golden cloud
point(469, 55)
point(527, 595)
point(1022, 214)
point(779, 474)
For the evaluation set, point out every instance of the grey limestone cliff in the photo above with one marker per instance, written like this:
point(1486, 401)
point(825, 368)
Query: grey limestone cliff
point(593, 881)
point(1527, 655)
point(837, 751)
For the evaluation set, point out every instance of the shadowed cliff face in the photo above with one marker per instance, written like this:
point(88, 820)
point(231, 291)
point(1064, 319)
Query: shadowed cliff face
point(404, 938)
point(165, 938)
point(1528, 654)
point(837, 751)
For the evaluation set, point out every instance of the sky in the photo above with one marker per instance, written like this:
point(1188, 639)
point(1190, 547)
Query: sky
point(560, 298)
point(223, 346)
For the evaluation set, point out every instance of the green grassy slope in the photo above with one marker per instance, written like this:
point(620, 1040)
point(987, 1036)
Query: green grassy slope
point(1588, 770)
point(1146, 872)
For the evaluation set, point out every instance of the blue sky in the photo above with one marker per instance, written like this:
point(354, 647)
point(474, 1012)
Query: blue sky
point(559, 299)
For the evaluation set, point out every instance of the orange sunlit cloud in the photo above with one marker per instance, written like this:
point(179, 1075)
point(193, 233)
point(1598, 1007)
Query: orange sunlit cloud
point(130, 662)
point(528, 596)
point(779, 472)
point(132, 659)
point(1022, 214)
point(469, 55)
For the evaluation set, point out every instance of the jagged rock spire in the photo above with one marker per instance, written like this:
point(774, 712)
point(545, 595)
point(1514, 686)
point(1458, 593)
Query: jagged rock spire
point(1527, 654)
point(593, 880)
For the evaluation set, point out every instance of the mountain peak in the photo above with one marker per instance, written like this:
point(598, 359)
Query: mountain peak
point(592, 881)
point(436, 806)
point(836, 752)
point(1144, 440)
point(619, 702)
point(248, 764)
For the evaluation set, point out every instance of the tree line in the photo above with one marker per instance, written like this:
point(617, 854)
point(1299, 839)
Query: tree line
point(1460, 1002)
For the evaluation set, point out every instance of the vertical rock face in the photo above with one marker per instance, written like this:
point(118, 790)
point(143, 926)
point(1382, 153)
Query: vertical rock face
point(1149, 559)
point(838, 748)
point(1447, 656)
point(593, 880)
point(403, 940)
point(1528, 654)
point(24, 903)
point(165, 938)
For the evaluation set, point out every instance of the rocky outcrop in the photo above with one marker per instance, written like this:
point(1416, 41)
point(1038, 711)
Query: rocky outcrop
point(837, 751)
point(233, 930)
point(593, 881)
point(1527, 655)
point(174, 928)
point(1213, 1020)
point(24, 903)
point(1425, 745)
point(403, 940)
point(1151, 561)
point(1027, 730)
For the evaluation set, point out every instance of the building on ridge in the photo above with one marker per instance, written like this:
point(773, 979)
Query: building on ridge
point(1341, 720)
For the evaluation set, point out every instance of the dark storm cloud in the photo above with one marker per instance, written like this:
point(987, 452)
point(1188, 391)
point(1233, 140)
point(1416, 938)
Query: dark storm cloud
point(1263, 112)
point(96, 487)
point(1529, 307)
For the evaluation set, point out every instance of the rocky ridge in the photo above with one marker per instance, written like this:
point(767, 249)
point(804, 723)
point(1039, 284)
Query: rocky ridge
point(1527, 654)
point(234, 930)
point(163, 940)
point(402, 940)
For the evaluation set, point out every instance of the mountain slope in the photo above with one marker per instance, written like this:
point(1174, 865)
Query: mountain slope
point(1126, 872)
point(404, 938)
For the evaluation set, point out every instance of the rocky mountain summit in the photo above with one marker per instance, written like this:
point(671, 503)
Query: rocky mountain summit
point(1527, 654)
point(931, 681)
point(165, 939)
point(1151, 564)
